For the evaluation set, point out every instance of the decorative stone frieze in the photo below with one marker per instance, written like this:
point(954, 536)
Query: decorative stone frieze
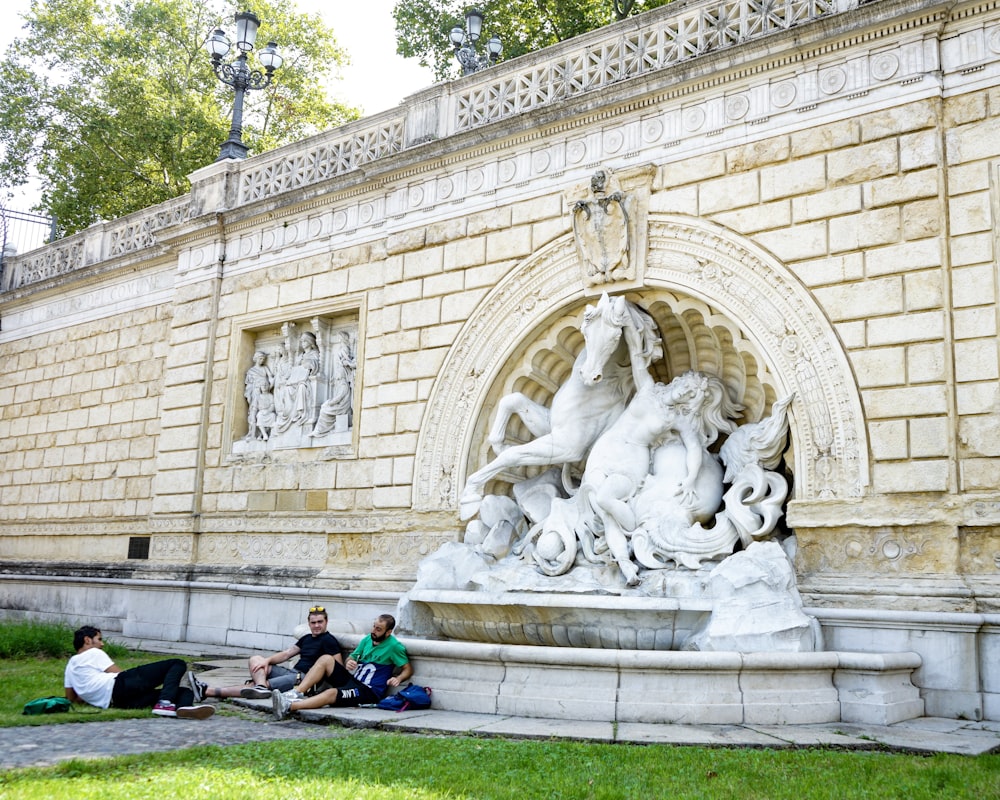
point(303, 550)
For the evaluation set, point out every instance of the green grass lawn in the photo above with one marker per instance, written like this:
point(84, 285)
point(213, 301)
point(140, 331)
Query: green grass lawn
point(364, 765)
point(367, 765)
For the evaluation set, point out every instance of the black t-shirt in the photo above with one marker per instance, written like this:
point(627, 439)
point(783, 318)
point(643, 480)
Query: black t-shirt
point(312, 647)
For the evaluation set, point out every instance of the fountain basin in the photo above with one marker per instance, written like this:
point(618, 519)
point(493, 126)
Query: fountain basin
point(556, 620)
point(629, 686)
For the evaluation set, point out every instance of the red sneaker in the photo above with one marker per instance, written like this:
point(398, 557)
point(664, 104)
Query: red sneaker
point(164, 709)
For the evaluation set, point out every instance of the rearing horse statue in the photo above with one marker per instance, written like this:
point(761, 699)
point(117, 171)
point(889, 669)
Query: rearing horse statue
point(620, 338)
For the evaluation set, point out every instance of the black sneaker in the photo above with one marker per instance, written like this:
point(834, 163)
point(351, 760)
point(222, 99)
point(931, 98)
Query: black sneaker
point(198, 688)
point(258, 692)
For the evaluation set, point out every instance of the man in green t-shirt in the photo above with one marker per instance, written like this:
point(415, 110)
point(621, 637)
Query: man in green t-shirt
point(368, 674)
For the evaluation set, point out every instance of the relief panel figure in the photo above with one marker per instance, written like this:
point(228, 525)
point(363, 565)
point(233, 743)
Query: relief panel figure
point(258, 383)
point(296, 370)
point(335, 413)
point(299, 390)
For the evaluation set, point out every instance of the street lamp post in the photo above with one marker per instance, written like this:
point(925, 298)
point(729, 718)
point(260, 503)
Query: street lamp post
point(239, 75)
point(463, 40)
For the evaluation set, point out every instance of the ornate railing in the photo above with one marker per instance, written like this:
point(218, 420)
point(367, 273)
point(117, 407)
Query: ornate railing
point(690, 30)
point(95, 244)
point(333, 155)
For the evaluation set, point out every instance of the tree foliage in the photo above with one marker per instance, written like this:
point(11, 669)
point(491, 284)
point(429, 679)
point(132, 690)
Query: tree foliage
point(422, 26)
point(114, 104)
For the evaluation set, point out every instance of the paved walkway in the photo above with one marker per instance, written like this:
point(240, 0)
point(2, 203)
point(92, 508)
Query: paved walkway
point(49, 744)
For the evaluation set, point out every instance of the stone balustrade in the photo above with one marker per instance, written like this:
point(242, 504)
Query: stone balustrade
point(635, 47)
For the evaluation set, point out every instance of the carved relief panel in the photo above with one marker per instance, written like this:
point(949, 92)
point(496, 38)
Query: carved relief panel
point(297, 382)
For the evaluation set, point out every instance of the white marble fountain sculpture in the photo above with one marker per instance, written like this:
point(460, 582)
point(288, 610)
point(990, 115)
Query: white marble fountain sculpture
point(639, 552)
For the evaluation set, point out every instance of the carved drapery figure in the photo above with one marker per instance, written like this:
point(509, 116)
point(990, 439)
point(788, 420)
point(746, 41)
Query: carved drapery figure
point(294, 380)
point(258, 383)
point(335, 413)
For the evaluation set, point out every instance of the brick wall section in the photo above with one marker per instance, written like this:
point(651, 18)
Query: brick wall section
point(857, 209)
point(973, 146)
point(431, 288)
point(79, 419)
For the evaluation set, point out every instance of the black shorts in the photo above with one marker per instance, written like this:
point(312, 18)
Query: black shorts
point(350, 692)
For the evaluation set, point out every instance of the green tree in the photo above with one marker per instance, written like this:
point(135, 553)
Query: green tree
point(114, 104)
point(422, 26)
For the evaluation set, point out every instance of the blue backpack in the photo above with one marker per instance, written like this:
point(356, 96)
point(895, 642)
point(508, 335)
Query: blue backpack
point(409, 697)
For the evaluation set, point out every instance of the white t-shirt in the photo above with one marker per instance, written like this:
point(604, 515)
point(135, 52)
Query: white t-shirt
point(85, 675)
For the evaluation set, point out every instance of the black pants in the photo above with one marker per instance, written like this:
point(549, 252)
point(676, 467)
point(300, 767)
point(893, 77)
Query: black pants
point(143, 687)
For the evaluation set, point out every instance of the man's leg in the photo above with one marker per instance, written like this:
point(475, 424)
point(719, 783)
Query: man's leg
point(320, 671)
point(259, 669)
point(325, 698)
point(283, 705)
point(283, 679)
point(143, 686)
point(327, 670)
point(350, 693)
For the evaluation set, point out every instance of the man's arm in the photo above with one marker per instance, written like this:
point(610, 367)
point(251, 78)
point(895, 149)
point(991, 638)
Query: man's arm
point(72, 696)
point(284, 655)
point(404, 675)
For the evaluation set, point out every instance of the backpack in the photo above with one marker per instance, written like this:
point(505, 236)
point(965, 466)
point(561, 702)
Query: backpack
point(409, 697)
point(47, 705)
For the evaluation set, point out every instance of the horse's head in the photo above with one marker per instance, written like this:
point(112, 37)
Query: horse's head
point(602, 332)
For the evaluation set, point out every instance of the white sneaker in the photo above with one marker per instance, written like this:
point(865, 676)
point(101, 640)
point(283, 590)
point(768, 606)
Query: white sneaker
point(280, 704)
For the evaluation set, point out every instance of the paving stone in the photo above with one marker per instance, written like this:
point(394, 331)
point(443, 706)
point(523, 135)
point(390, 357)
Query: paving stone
point(705, 735)
point(45, 745)
point(534, 728)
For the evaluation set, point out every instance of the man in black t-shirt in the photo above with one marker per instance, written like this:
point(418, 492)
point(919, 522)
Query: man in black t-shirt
point(266, 672)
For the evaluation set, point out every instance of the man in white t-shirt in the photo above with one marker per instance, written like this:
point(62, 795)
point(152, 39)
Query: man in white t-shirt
point(92, 677)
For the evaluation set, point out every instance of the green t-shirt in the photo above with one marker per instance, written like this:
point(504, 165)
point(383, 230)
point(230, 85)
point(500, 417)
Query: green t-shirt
point(377, 662)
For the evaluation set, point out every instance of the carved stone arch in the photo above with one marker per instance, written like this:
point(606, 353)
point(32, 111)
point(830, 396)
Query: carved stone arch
point(723, 305)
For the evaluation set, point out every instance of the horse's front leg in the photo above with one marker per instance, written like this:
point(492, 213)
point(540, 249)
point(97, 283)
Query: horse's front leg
point(537, 453)
point(536, 418)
